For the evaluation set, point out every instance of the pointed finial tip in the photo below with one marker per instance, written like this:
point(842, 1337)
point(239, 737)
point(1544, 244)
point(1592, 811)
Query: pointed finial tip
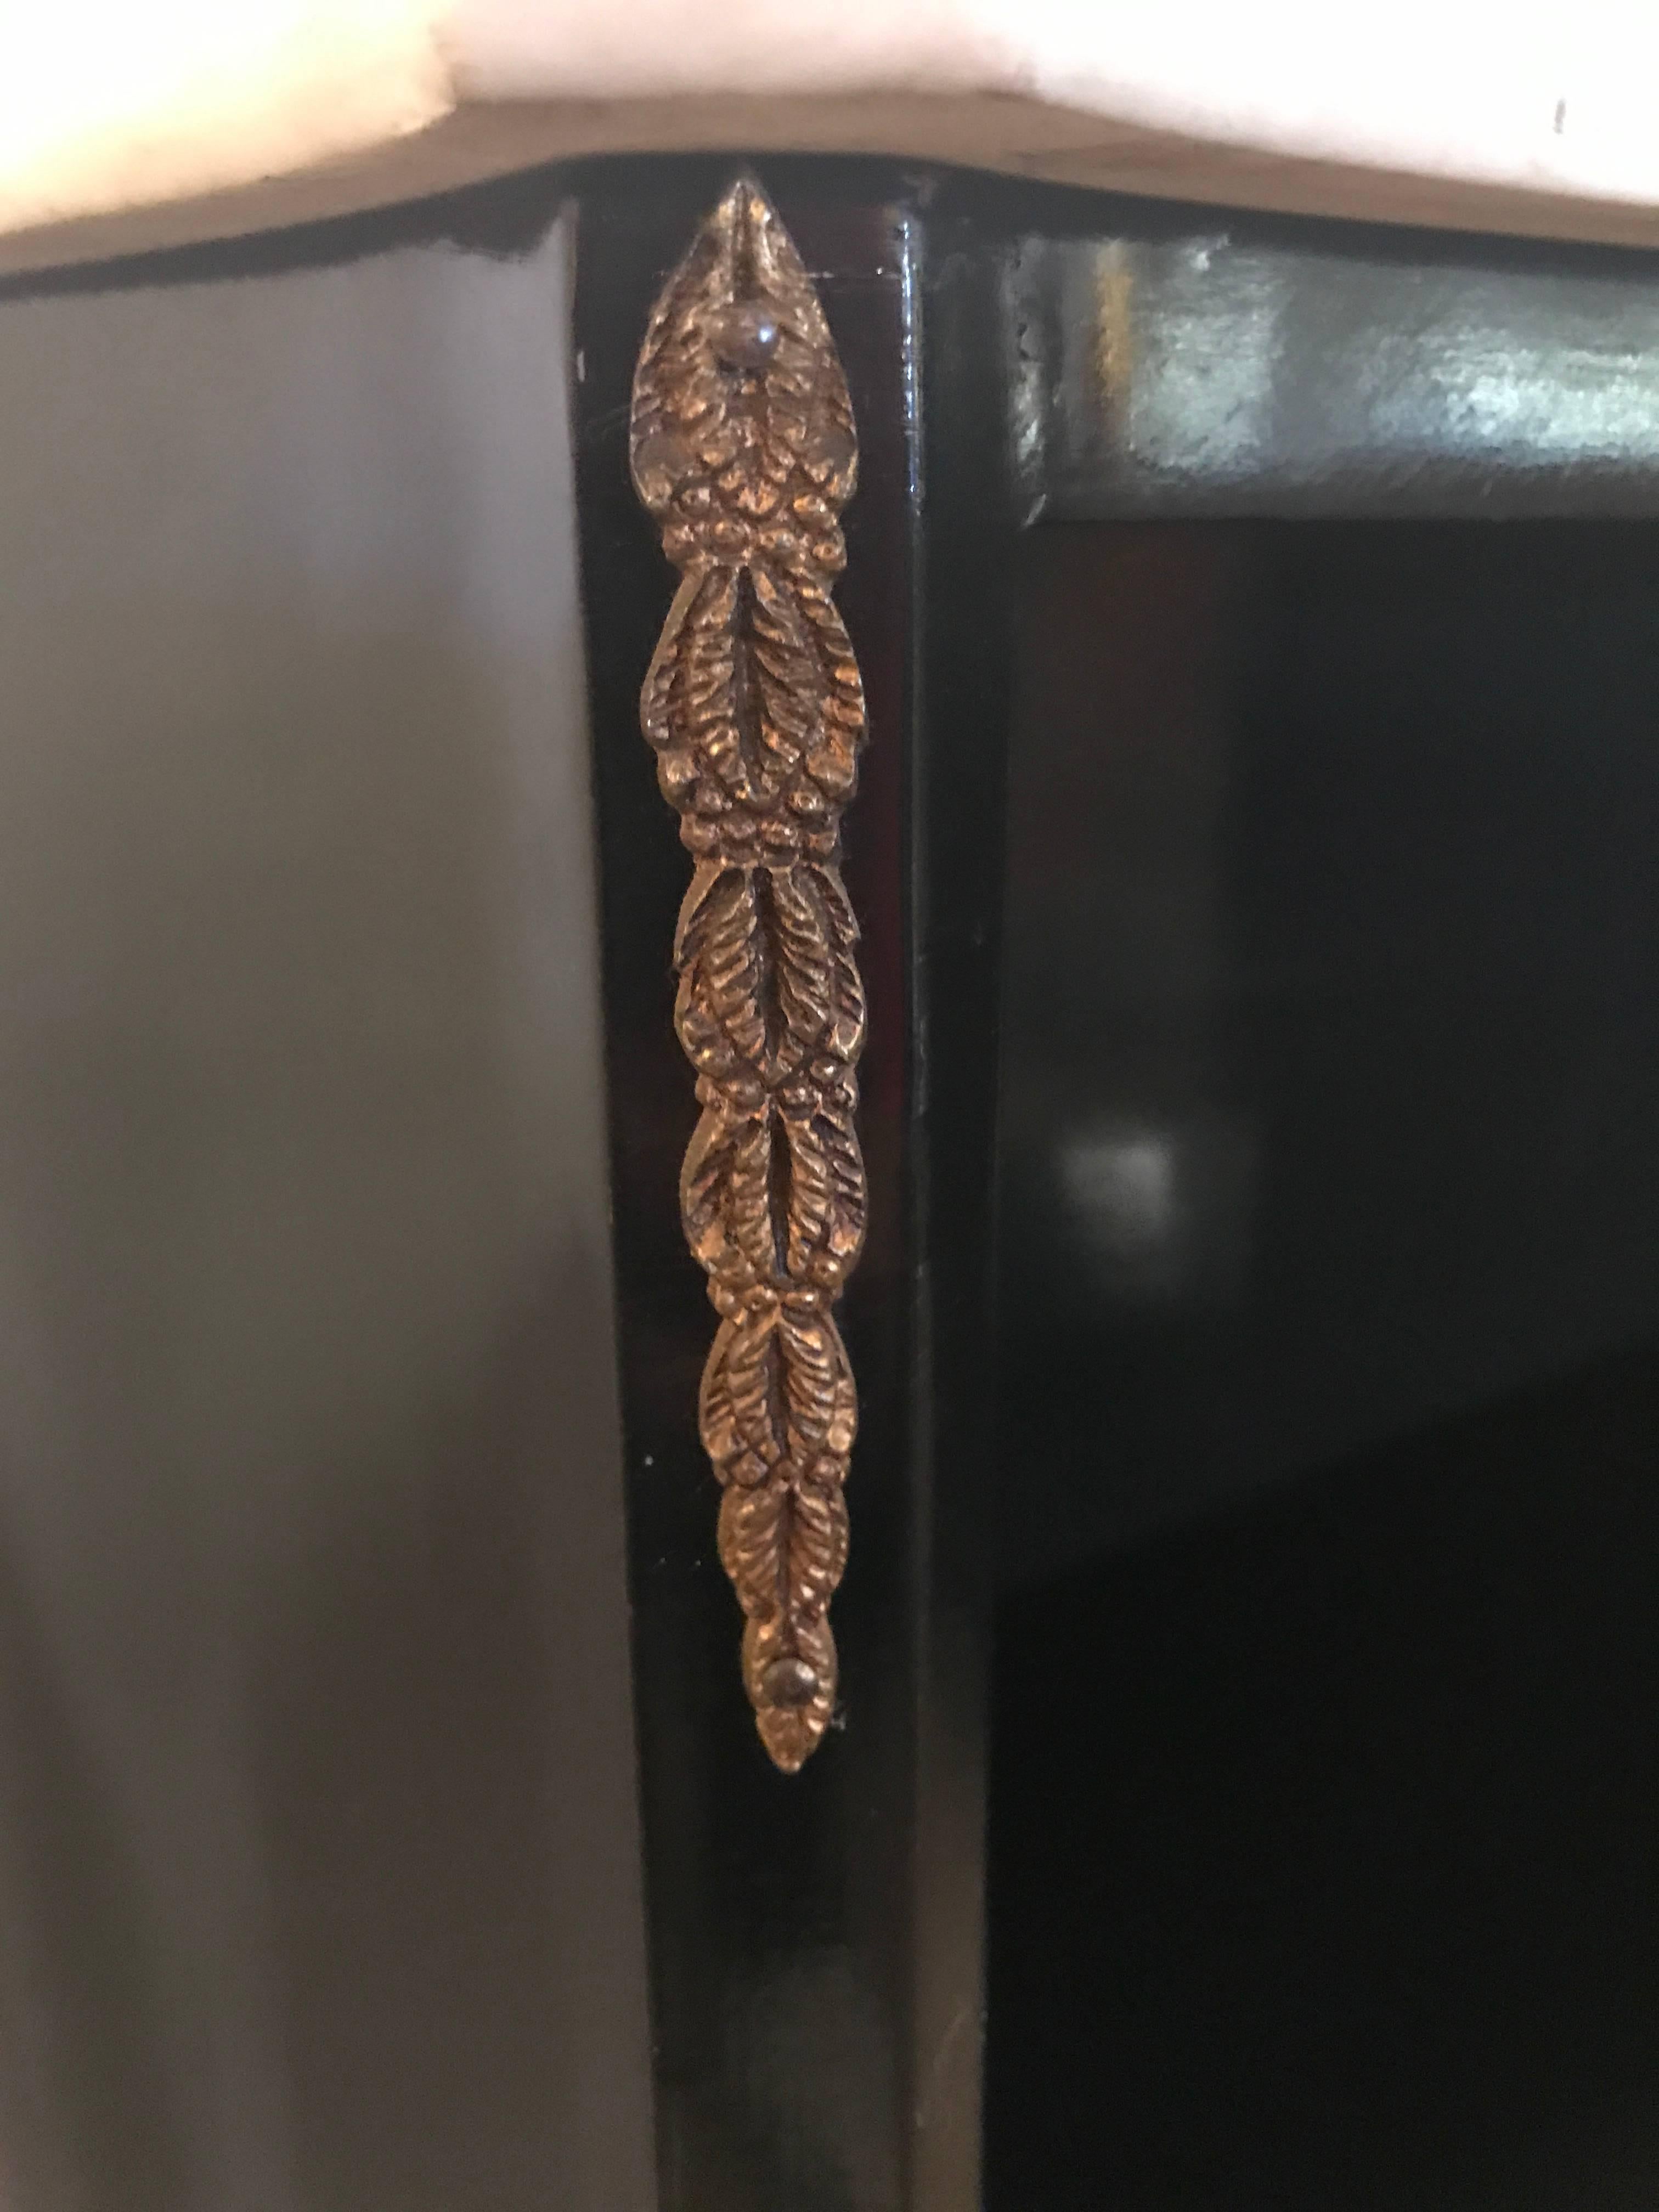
point(746, 195)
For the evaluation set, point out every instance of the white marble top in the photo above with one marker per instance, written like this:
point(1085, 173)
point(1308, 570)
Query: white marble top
point(131, 123)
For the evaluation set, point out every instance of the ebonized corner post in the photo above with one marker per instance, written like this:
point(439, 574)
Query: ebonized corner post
point(816, 1937)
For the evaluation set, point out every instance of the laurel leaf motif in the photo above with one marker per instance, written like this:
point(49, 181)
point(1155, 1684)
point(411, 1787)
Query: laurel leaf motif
point(743, 447)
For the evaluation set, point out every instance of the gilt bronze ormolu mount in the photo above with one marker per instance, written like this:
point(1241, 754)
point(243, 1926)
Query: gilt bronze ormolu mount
point(743, 447)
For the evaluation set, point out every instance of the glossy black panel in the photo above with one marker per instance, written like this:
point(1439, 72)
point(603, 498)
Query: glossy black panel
point(1333, 1031)
point(1198, 362)
point(1322, 1867)
point(318, 1837)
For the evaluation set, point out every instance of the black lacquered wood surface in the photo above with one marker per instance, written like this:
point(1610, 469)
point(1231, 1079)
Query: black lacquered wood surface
point(318, 1838)
point(1198, 362)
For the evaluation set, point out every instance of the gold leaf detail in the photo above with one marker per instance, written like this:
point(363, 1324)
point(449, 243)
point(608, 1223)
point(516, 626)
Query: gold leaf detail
point(743, 447)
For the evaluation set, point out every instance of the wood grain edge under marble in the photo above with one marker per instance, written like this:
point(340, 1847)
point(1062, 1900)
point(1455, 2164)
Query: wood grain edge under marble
point(1008, 134)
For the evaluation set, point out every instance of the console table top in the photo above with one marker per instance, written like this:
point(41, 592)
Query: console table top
point(123, 128)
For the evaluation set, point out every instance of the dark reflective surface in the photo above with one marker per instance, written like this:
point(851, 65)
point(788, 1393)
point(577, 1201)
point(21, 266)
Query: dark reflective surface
point(1197, 362)
point(1332, 1072)
point(1323, 1857)
point(1325, 1758)
point(318, 1840)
